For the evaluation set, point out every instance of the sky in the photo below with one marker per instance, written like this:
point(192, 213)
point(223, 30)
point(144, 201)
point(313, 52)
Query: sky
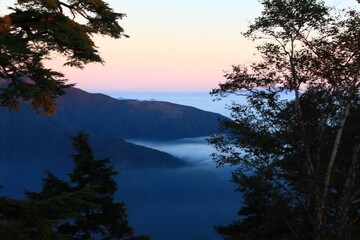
point(174, 46)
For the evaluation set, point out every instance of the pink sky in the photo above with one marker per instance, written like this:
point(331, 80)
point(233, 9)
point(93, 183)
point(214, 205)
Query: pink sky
point(173, 46)
point(176, 46)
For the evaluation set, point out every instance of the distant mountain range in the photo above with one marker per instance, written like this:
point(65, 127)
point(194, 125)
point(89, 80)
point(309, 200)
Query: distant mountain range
point(161, 191)
point(132, 119)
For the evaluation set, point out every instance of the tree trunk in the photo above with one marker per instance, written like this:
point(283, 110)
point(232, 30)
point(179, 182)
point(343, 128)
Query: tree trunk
point(321, 210)
point(344, 229)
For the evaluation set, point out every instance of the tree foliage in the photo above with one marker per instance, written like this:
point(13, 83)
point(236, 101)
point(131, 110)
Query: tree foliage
point(298, 135)
point(36, 30)
point(82, 208)
point(37, 218)
point(102, 218)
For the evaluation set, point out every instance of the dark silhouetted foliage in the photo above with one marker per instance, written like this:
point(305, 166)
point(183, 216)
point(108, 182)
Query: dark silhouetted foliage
point(296, 141)
point(33, 31)
point(102, 218)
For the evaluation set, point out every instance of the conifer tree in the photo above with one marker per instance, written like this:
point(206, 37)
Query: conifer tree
point(108, 219)
point(36, 218)
point(102, 218)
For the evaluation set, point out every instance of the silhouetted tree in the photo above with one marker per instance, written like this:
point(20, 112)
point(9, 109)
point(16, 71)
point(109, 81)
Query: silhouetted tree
point(108, 219)
point(31, 34)
point(102, 218)
point(298, 132)
point(34, 31)
point(264, 211)
point(37, 218)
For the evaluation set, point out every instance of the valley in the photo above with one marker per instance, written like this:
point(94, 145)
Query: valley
point(168, 195)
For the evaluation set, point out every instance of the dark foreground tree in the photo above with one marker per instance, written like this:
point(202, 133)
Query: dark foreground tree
point(264, 210)
point(108, 219)
point(36, 30)
point(102, 218)
point(33, 32)
point(298, 135)
point(36, 219)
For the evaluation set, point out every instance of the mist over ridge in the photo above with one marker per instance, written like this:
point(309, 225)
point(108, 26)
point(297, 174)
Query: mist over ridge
point(166, 197)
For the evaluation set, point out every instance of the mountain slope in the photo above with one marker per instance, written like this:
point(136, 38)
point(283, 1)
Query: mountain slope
point(166, 197)
point(26, 135)
point(131, 119)
point(31, 143)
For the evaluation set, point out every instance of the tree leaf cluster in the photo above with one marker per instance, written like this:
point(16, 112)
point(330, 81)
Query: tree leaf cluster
point(296, 140)
point(37, 30)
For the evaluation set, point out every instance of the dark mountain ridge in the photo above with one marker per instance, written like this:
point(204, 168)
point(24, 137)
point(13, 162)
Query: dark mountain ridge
point(132, 119)
point(28, 136)
point(166, 197)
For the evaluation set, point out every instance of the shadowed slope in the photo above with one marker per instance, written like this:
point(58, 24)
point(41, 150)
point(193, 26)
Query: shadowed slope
point(166, 197)
point(131, 119)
